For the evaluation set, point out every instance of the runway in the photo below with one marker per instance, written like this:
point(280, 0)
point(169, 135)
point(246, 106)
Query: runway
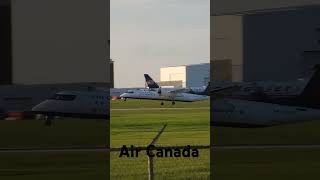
point(66, 150)
point(157, 109)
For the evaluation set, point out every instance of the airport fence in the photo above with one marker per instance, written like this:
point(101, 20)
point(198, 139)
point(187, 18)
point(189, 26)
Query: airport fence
point(151, 163)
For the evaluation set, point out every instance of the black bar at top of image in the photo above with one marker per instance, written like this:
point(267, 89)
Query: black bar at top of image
point(5, 43)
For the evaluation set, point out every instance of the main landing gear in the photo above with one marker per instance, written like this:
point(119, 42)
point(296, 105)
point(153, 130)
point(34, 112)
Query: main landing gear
point(48, 120)
point(173, 103)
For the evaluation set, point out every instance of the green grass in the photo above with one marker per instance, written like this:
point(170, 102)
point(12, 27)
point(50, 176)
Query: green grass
point(191, 127)
point(135, 103)
point(140, 127)
point(63, 133)
point(299, 133)
point(266, 164)
point(165, 168)
point(185, 127)
point(53, 166)
point(276, 164)
point(127, 127)
point(184, 168)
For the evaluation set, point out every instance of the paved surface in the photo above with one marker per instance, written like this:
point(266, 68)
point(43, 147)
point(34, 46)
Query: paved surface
point(57, 150)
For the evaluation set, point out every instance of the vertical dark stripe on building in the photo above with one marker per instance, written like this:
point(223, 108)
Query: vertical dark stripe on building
point(5, 43)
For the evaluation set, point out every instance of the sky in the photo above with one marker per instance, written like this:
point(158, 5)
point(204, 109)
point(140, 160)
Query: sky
point(149, 34)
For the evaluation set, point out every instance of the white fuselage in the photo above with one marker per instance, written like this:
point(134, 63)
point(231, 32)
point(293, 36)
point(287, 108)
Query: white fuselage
point(293, 88)
point(163, 95)
point(76, 104)
point(232, 112)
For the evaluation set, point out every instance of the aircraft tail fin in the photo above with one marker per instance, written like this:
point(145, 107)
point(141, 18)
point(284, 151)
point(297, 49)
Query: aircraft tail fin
point(312, 90)
point(150, 82)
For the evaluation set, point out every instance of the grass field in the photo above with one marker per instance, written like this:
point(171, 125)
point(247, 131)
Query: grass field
point(63, 133)
point(185, 127)
point(139, 127)
point(299, 133)
point(243, 164)
point(119, 104)
point(266, 164)
point(271, 163)
point(53, 166)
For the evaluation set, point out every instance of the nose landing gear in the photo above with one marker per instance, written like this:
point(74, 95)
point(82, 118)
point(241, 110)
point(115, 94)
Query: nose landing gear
point(162, 103)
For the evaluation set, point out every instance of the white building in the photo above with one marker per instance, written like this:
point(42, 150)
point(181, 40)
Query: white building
point(195, 75)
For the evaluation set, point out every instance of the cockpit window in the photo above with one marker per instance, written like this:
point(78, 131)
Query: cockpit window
point(64, 97)
point(130, 91)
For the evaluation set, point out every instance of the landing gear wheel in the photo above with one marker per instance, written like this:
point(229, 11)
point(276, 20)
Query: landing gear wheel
point(48, 121)
point(125, 99)
point(162, 103)
point(173, 103)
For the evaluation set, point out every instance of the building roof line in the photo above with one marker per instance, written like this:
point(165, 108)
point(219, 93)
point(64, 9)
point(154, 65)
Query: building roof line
point(186, 65)
point(267, 10)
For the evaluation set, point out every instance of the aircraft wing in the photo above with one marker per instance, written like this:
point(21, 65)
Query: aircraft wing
point(216, 92)
point(177, 91)
point(224, 91)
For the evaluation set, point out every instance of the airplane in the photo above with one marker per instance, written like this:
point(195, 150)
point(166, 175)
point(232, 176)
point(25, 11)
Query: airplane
point(163, 95)
point(225, 111)
point(251, 114)
point(232, 112)
point(82, 104)
point(155, 92)
point(302, 92)
point(266, 104)
point(239, 113)
point(298, 93)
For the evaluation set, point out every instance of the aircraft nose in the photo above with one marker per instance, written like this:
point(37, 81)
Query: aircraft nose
point(43, 107)
point(123, 95)
point(38, 108)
